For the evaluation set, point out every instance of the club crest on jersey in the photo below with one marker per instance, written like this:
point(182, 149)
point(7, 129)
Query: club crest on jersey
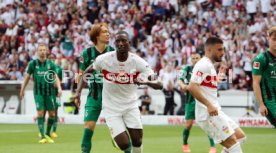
point(122, 72)
point(256, 65)
point(225, 129)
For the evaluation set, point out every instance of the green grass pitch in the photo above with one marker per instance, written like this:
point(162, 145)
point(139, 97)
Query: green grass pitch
point(15, 138)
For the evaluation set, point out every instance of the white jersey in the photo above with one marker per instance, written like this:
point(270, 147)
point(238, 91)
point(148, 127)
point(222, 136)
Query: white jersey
point(205, 75)
point(119, 92)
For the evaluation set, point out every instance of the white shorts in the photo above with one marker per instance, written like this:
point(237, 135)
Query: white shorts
point(117, 122)
point(218, 127)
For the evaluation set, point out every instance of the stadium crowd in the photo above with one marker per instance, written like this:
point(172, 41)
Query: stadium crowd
point(163, 32)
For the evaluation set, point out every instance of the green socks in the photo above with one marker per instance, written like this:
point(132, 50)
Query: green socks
point(212, 143)
point(55, 124)
point(50, 123)
point(86, 143)
point(40, 123)
point(186, 134)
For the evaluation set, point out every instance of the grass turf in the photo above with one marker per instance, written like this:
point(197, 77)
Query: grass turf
point(15, 138)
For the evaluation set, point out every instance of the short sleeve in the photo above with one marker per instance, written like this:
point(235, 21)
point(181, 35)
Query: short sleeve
point(199, 73)
point(143, 67)
point(30, 69)
point(83, 60)
point(97, 64)
point(258, 65)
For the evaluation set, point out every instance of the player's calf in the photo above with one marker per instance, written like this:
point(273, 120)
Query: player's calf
point(232, 145)
point(136, 137)
point(240, 135)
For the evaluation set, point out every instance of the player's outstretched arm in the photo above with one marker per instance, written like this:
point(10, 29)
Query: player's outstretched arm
point(157, 85)
point(26, 81)
point(257, 90)
point(183, 86)
point(195, 91)
point(152, 82)
point(81, 82)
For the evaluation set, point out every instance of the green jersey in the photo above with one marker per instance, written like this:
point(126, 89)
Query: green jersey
point(87, 58)
point(43, 74)
point(185, 77)
point(265, 65)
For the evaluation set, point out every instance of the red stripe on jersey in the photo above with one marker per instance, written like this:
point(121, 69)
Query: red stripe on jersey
point(120, 78)
point(208, 82)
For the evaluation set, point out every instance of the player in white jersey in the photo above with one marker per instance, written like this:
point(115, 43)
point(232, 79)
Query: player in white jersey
point(122, 71)
point(203, 87)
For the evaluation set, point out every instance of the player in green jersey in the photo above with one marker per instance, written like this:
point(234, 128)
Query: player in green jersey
point(45, 80)
point(190, 104)
point(99, 35)
point(264, 78)
point(52, 57)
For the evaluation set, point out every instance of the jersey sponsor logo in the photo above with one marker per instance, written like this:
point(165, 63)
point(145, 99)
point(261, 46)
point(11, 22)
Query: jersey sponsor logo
point(198, 73)
point(256, 65)
point(120, 78)
point(41, 73)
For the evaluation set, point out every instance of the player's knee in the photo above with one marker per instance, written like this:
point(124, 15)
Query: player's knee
point(188, 126)
point(52, 114)
point(229, 142)
point(89, 125)
point(40, 113)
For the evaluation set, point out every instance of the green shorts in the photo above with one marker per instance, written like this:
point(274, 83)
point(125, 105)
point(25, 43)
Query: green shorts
point(45, 102)
point(92, 109)
point(271, 107)
point(190, 110)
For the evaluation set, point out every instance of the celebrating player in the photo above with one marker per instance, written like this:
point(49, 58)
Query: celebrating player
point(203, 87)
point(190, 105)
point(264, 78)
point(52, 57)
point(99, 35)
point(121, 71)
point(45, 78)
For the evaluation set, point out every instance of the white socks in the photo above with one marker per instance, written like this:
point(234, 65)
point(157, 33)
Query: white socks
point(137, 149)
